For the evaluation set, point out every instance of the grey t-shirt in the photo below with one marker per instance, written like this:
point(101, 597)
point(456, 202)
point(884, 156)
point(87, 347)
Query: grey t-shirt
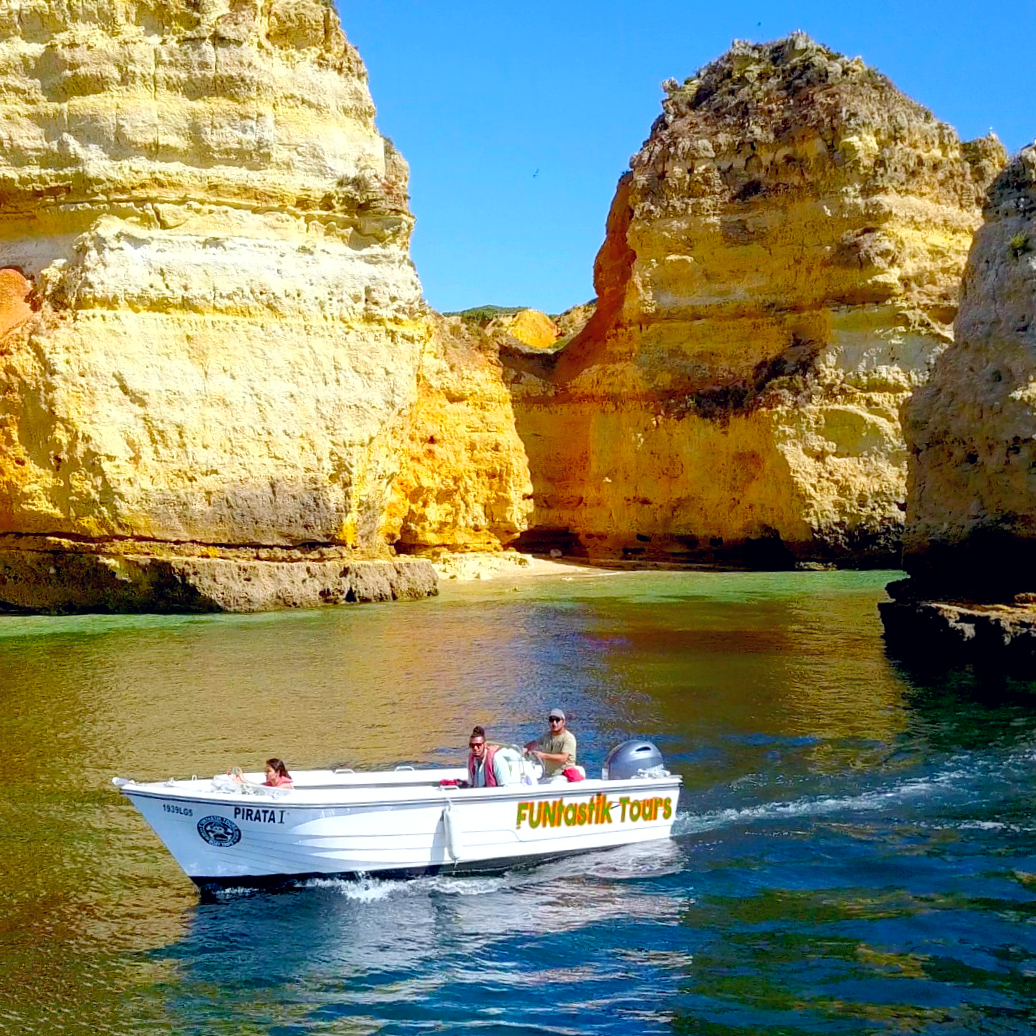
point(563, 744)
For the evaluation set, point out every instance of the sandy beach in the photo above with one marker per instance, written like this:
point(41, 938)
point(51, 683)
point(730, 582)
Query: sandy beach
point(508, 565)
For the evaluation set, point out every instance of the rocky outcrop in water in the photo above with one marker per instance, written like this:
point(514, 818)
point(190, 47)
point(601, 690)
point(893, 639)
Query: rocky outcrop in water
point(970, 540)
point(780, 270)
point(55, 576)
point(210, 326)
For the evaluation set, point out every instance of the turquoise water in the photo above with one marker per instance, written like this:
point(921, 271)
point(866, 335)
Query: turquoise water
point(854, 851)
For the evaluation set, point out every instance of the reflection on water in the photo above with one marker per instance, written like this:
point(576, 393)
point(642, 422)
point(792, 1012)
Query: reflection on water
point(436, 947)
point(853, 851)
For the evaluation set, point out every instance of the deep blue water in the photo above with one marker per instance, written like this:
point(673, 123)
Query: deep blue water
point(854, 851)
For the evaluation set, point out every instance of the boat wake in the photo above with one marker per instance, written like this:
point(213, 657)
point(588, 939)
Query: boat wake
point(363, 889)
point(624, 863)
point(372, 889)
point(687, 823)
point(957, 781)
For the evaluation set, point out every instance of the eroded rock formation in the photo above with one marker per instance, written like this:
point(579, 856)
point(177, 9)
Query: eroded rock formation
point(972, 429)
point(209, 322)
point(527, 327)
point(780, 270)
point(463, 483)
point(970, 539)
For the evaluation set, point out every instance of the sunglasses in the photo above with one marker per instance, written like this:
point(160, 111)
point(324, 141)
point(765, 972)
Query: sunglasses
point(555, 719)
point(476, 744)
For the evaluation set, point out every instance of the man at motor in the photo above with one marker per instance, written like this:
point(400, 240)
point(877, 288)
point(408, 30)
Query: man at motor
point(486, 769)
point(557, 748)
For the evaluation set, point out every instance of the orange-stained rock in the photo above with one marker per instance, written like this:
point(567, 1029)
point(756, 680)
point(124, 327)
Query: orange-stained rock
point(780, 270)
point(574, 319)
point(14, 300)
point(528, 326)
point(464, 482)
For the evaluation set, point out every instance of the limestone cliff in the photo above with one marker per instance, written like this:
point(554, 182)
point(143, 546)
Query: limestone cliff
point(209, 321)
point(970, 539)
point(971, 511)
point(780, 270)
point(463, 483)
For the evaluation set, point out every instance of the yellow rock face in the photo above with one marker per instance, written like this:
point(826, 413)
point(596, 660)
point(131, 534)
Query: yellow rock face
point(464, 480)
point(971, 520)
point(779, 273)
point(209, 322)
point(529, 326)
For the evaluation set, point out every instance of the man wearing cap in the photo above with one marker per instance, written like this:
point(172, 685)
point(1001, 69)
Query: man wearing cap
point(557, 749)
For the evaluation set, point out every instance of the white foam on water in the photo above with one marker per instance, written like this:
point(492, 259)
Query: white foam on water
point(687, 823)
point(463, 886)
point(235, 892)
point(364, 889)
point(626, 862)
point(370, 889)
point(992, 825)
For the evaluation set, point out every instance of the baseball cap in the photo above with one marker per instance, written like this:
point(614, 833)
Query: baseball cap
point(556, 714)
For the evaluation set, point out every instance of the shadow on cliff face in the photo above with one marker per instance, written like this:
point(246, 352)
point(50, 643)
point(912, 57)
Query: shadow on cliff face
point(994, 563)
point(766, 553)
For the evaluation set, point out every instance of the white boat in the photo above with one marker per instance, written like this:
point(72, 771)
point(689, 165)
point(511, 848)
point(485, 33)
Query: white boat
point(400, 823)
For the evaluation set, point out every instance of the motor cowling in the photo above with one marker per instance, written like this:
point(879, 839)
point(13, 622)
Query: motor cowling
point(632, 759)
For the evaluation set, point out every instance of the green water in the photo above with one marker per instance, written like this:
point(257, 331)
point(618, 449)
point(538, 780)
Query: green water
point(804, 749)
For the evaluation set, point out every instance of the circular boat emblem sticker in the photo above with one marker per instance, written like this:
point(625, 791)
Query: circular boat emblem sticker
point(219, 831)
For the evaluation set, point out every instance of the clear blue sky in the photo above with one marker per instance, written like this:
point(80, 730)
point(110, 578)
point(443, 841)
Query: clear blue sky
point(517, 119)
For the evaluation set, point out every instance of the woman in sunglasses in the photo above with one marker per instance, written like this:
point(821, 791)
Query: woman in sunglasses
point(557, 748)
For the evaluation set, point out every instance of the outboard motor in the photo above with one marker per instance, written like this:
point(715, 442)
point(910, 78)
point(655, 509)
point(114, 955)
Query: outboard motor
point(633, 759)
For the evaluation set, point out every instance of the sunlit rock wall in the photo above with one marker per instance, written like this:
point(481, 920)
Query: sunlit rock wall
point(464, 481)
point(209, 321)
point(780, 271)
point(971, 515)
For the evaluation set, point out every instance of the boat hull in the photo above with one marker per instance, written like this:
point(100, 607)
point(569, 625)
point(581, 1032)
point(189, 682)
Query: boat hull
point(393, 825)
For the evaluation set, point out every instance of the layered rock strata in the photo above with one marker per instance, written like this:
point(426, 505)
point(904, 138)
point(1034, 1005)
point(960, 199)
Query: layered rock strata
point(780, 270)
point(64, 577)
point(209, 322)
point(970, 540)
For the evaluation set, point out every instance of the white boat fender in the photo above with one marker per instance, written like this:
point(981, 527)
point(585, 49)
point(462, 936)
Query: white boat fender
point(454, 831)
